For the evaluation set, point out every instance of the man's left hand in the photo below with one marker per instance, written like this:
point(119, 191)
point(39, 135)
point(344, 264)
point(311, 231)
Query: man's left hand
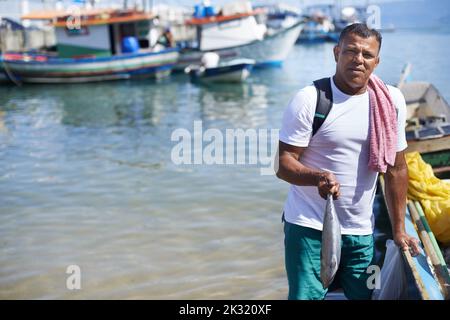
point(405, 242)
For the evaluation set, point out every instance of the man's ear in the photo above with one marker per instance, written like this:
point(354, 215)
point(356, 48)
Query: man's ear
point(377, 61)
point(336, 51)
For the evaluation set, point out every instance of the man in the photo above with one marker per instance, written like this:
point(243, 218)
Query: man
point(335, 160)
point(166, 39)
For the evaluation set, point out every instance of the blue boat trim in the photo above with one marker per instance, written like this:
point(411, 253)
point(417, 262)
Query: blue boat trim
point(56, 60)
point(141, 71)
point(269, 64)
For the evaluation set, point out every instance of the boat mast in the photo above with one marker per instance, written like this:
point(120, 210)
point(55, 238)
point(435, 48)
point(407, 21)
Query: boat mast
point(147, 5)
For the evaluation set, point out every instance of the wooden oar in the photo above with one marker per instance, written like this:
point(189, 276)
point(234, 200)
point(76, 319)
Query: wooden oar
point(441, 274)
point(430, 233)
point(428, 246)
point(442, 265)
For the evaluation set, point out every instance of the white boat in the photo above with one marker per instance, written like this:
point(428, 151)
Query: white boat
point(239, 36)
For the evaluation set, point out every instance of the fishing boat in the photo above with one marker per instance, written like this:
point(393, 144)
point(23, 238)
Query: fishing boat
point(237, 34)
point(280, 15)
point(232, 71)
point(421, 278)
point(318, 25)
point(428, 126)
point(427, 275)
point(316, 30)
point(97, 45)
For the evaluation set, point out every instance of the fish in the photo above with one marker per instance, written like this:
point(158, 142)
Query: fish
point(330, 253)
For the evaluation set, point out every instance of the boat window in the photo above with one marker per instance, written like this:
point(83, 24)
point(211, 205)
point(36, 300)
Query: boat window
point(128, 30)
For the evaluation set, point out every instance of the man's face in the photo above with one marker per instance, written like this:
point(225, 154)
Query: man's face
point(356, 58)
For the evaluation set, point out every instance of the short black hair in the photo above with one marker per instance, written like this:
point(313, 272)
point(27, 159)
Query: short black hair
point(362, 30)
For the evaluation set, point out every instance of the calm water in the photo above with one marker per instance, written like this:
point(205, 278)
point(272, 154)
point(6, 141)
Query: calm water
point(86, 178)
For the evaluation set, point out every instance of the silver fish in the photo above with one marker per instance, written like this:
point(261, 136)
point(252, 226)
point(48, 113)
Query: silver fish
point(330, 254)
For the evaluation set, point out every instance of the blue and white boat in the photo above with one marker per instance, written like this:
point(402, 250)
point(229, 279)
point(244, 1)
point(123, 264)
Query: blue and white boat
point(318, 24)
point(235, 35)
point(422, 283)
point(105, 44)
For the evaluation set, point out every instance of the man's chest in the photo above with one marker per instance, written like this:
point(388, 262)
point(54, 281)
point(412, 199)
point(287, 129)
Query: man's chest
point(347, 125)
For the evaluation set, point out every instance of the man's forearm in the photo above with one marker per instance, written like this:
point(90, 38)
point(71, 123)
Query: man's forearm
point(295, 172)
point(396, 181)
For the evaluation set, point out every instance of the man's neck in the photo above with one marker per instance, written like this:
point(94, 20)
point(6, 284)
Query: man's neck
point(341, 85)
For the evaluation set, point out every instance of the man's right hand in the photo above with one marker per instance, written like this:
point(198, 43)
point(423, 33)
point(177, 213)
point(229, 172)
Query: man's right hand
point(328, 184)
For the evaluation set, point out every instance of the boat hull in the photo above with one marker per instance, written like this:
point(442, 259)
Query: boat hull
point(231, 73)
point(62, 70)
point(3, 77)
point(271, 51)
point(421, 282)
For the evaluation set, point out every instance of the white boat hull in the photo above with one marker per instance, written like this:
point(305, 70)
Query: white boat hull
point(272, 50)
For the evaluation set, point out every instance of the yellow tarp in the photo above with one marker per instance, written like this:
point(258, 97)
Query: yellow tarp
point(433, 194)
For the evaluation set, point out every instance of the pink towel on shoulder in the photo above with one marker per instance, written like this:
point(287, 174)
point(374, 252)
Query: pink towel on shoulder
point(383, 126)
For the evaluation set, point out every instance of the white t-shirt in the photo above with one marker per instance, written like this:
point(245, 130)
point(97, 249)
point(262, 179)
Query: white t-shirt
point(340, 146)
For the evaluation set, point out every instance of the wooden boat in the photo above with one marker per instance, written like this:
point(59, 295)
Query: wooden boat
point(106, 44)
point(428, 129)
point(427, 133)
point(239, 36)
point(423, 283)
point(233, 71)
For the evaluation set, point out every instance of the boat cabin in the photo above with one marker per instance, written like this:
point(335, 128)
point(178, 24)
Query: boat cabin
point(227, 30)
point(98, 32)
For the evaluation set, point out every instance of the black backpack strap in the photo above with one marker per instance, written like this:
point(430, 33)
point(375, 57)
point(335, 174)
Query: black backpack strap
point(324, 102)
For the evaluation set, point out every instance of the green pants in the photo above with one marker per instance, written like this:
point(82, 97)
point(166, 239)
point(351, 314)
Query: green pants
point(302, 258)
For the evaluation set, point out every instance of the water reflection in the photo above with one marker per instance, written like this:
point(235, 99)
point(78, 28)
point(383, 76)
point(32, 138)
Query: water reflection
point(129, 104)
point(234, 105)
